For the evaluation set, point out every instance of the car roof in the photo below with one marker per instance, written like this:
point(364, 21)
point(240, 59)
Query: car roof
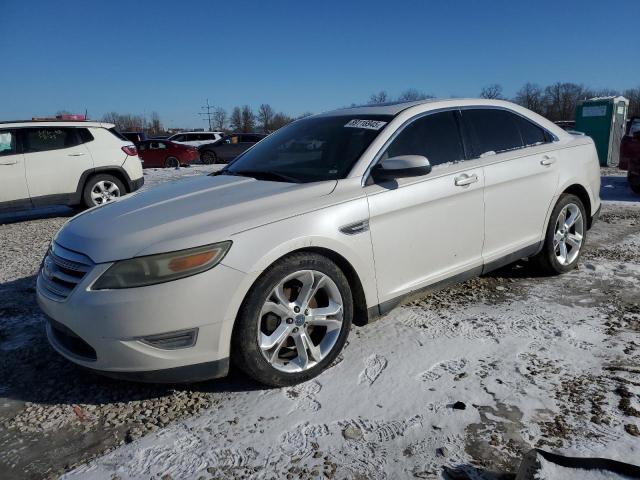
point(54, 123)
point(394, 108)
point(182, 133)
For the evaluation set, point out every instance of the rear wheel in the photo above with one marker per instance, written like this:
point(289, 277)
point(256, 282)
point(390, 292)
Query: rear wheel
point(102, 188)
point(208, 157)
point(634, 183)
point(294, 321)
point(565, 236)
point(171, 162)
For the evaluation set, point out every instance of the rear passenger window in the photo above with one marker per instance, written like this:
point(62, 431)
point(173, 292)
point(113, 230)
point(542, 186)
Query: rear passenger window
point(8, 144)
point(436, 137)
point(49, 138)
point(491, 130)
point(85, 135)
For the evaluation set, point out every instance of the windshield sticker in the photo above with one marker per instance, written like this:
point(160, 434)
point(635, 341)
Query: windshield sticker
point(368, 124)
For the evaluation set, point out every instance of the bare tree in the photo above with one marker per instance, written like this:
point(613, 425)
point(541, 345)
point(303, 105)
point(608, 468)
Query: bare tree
point(492, 91)
point(265, 115)
point(125, 122)
point(219, 118)
point(531, 96)
point(411, 95)
point(279, 120)
point(248, 119)
point(633, 94)
point(155, 125)
point(377, 98)
point(236, 119)
point(562, 98)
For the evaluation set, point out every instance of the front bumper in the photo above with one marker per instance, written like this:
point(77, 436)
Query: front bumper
point(112, 324)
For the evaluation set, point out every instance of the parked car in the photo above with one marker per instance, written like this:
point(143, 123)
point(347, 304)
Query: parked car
point(135, 137)
point(228, 147)
point(163, 153)
point(630, 154)
point(269, 261)
point(65, 162)
point(195, 139)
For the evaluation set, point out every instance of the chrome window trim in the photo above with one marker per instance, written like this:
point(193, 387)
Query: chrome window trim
point(376, 158)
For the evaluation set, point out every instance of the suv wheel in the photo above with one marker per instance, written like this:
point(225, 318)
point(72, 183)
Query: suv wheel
point(565, 236)
point(208, 157)
point(294, 321)
point(102, 188)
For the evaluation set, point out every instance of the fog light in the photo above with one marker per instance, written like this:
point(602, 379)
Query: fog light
point(172, 340)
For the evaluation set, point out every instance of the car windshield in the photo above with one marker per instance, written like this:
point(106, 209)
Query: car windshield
point(310, 150)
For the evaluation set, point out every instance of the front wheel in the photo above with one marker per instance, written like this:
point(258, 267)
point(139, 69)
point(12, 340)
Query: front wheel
point(565, 236)
point(294, 321)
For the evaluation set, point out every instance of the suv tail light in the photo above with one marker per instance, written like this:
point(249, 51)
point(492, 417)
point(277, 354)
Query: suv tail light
point(130, 150)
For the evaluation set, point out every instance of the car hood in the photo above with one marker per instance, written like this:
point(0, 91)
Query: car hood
point(186, 213)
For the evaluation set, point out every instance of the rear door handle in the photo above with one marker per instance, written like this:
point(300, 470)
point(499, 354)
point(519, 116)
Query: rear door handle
point(465, 179)
point(75, 154)
point(547, 160)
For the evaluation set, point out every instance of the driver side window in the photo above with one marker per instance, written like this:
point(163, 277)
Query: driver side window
point(435, 136)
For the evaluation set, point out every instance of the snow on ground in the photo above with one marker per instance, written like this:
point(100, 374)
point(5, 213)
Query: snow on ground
point(463, 381)
point(528, 367)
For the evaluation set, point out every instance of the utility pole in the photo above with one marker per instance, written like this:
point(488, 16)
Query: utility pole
point(207, 113)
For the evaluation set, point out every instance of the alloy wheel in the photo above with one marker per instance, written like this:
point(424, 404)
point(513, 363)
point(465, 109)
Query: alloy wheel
point(569, 234)
point(104, 191)
point(300, 322)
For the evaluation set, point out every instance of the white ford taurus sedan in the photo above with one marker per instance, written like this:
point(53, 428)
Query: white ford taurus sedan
point(332, 220)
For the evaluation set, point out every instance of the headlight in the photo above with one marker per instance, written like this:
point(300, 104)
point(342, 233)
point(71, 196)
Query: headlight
point(164, 267)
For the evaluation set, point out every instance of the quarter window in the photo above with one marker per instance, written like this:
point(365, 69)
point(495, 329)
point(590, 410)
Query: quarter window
point(435, 136)
point(49, 138)
point(8, 144)
point(491, 130)
point(85, 135)
point(531, 134)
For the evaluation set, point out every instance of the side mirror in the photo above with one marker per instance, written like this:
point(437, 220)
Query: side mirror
point(401, 166)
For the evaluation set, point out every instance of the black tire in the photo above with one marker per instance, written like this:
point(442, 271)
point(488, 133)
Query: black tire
point(209, 157)
point(546, 261)
point(93, 182)
point(245, 351)
point(634, 184)
point(171, 162)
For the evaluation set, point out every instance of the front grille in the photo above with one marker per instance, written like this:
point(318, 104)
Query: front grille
point(71, 342)
point(61, 271)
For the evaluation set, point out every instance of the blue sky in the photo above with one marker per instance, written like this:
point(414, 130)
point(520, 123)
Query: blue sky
point(136, 56)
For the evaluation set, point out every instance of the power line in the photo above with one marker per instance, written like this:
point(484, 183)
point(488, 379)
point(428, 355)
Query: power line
point(207, 113)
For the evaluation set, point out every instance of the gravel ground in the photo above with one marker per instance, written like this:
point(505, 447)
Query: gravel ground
point(54, 416)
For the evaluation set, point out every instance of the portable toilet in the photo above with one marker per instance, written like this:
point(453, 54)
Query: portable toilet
point(604, 120)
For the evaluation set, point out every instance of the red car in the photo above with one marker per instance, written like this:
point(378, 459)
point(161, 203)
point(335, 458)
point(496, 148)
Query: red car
point(630, 154)
point(163, 153)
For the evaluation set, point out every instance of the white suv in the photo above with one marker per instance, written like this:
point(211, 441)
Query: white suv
point(195, 139)
point(330, 220)
point(64, 162)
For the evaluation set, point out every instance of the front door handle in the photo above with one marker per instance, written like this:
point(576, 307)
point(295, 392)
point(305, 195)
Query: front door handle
point(547, 160)
point(75, 154)
point(465, 179)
